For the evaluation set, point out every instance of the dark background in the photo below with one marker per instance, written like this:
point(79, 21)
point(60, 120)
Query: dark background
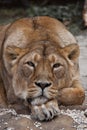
point(67, 11)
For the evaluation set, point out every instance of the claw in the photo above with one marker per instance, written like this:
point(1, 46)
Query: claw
point(45, 112)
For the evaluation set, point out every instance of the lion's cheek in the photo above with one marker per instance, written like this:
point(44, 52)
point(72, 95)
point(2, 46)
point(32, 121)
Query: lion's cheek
point(24, 90)
point(26, 72)
point(19, 87)
point(51, 93)
point(33, 91)
point(59, 73)
point(21, 93)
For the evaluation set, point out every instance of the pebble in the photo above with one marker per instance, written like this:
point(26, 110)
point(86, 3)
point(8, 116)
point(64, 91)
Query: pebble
point(26, 116)
point(85, 113)
point(10, 128)
point(38, 125)
point(5, 111)
point(5, 123)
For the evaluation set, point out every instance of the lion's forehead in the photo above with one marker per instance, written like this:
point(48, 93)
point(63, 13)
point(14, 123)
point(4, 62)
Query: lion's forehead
point(43, 55)
point(24, 35)
point(44, 49)
point(16, 38)
point(25, 38)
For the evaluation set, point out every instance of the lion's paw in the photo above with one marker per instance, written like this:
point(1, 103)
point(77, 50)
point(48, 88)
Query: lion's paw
point(45, 111)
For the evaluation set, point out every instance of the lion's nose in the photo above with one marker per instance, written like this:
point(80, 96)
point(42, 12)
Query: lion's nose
point(43, 85)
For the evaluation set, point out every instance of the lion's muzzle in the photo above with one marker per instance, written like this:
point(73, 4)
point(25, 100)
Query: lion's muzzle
point(43, 85)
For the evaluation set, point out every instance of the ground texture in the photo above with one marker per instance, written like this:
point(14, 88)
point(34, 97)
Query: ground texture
point(71, 118)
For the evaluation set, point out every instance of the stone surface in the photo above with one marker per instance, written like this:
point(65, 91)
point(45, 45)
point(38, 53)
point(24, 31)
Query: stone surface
point(11, 121)
point(67, 120)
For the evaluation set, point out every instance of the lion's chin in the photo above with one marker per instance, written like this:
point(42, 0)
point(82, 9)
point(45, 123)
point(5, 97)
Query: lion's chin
point(39, 100)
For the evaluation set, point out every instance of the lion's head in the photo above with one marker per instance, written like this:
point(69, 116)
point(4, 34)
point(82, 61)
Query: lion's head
point(38, 59)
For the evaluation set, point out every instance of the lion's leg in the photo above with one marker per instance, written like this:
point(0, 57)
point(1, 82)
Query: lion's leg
point(72, 96)
point(45, 111)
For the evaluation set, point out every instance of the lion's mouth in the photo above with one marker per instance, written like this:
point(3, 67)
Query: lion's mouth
point(38, 100)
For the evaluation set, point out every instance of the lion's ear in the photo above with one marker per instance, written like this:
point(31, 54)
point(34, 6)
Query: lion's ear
point(2, 35)
point(13, 52)
point(71, 52)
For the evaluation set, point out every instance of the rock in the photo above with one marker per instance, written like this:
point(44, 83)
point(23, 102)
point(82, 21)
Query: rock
point(85, 113)
point(12, 121)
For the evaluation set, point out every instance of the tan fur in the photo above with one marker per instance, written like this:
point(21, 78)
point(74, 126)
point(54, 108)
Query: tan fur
point(39, 66)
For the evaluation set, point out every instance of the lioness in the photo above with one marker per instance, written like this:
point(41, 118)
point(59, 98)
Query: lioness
point(39, 66)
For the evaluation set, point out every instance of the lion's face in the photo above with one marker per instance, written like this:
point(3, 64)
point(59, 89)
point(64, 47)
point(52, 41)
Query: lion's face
point(37, 66)
point(38, 74)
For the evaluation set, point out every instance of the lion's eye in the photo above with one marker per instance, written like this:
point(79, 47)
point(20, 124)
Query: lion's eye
point(30, 63)
point(56, 65)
